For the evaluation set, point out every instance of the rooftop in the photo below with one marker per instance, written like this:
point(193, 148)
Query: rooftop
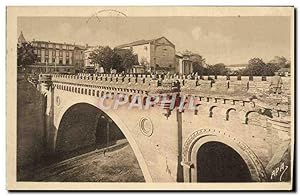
point(139, 42)
point(21, 38)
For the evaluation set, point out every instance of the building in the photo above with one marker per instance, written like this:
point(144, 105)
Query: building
point(78, 58)
point(55, 57)
point(21, 38)
point(156, 55)
point(236, 67)
point(184, 63)
point(284, 72)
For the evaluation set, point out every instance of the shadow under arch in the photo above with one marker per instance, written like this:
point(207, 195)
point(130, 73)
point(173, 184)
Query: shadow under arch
point(204, 136)
point(119, 123)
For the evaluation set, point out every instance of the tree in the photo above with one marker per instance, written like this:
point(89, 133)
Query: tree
point(25, 54)
point(198, 62)
point(280, 62)
point(105, 57)
point(199, 68)
point(128, 59)
point(218, 69)
point(257, 67)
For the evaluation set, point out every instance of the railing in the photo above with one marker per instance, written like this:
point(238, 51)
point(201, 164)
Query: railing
point(208, 84)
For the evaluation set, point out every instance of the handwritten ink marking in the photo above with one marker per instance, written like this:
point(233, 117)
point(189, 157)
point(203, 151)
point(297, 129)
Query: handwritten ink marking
point(112, 12)
point(279, 170)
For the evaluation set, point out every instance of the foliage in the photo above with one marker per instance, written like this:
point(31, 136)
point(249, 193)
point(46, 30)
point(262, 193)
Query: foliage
point(199, 68)
point(105, 57)
point(198, 63)
point(218, 69)
point(25, 54)
point(257, 67)
point(280, 62)
point(119, 59)
point(128, 59)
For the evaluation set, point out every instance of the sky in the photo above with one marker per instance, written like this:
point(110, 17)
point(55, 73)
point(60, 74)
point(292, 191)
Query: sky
point(229, 40)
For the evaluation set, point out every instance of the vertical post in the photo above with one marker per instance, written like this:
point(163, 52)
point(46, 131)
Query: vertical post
point(107, 132)
point(179, 145)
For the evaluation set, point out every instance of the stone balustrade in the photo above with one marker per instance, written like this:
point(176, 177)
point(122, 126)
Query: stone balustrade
point(200, 85)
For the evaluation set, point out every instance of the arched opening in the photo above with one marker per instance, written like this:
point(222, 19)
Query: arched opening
point(218, 162)
point(228, 113)
point(86, 130)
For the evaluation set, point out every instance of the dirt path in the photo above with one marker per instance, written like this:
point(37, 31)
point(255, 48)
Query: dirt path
point(115, 166)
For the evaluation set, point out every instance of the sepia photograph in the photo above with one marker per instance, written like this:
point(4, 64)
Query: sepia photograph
point(150, 98)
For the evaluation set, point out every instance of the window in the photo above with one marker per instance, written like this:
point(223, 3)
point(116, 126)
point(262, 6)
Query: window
point(60, 53)
point(53, 60)
point(67, 61)
point(46, 52)
point(60, 61)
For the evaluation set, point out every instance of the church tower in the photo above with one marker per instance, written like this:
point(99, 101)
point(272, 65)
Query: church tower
point(21, 38)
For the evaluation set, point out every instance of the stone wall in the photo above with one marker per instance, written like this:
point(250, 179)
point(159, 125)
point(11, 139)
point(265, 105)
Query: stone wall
point(30, 126)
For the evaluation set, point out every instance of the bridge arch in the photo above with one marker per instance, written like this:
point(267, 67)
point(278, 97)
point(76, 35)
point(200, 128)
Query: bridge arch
point(203, 137)
point(121, 125)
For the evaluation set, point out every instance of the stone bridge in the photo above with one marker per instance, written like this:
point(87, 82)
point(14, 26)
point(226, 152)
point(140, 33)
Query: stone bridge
point(238, 123)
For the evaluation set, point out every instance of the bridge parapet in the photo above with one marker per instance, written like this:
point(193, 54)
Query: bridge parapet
point(240, 89)
point(243, 86)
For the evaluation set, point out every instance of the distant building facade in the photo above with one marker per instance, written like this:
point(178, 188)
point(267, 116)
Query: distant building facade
point(156, 55)
point(78, 58)
point(284, 72)
point(236, 67)
point(184, 63)
point(56, 57)
point(88, 50)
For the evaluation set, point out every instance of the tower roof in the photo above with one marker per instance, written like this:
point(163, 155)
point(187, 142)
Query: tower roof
point(21, 38)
